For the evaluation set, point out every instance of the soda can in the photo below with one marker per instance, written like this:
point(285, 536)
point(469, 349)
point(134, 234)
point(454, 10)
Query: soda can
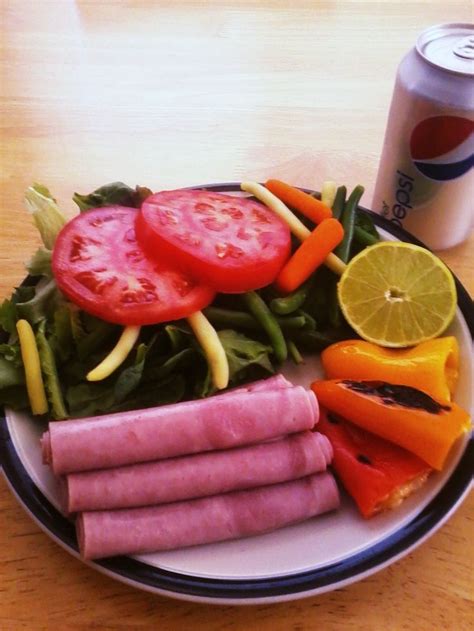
point(425, 181)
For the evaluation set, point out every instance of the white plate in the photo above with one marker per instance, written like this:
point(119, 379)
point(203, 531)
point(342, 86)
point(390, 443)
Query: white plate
point(315, 556)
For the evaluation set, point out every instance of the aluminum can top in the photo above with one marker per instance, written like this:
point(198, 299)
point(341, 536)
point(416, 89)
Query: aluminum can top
point(449, 46)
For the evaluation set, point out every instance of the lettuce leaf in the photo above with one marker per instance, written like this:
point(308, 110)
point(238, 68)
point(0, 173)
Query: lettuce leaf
point(110, 194)
point(40, 263)
point(46, 213)
point(42, 304)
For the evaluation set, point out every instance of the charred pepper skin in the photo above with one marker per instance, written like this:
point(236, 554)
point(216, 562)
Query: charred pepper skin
point(402, 415)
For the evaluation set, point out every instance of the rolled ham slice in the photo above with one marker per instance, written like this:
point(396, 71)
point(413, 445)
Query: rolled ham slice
point(206, 520)
point(208, 473)
point(219, 422)
point(276, 382)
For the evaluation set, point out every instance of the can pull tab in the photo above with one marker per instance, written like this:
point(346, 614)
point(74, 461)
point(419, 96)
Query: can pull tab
point(465, 47)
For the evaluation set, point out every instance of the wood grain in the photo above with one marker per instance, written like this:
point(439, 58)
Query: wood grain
point(178, 93)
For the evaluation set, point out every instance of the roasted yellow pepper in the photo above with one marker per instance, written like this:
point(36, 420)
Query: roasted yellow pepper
point(431, 366)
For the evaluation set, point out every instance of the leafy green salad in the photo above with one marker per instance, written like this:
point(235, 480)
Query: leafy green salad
point(167, 363)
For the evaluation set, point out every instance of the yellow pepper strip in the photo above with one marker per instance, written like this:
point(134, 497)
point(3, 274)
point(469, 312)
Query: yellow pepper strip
point(328, 193)
point(431, 366)
point(296, 226)
point(212, 347)
point(32, 365)
point(117, 355)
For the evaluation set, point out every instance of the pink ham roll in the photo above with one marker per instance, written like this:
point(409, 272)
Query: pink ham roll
point(208, 473)
point(205, 520)
point(276, 382)
point(220, 422)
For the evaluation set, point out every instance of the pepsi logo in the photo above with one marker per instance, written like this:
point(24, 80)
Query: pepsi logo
point(442, 147)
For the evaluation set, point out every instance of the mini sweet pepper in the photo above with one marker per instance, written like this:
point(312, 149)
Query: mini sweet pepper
point(377, 474)
point(431, 366)
point(401, 414)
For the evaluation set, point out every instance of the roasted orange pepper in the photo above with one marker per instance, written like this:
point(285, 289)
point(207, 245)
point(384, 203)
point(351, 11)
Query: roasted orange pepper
point(431, 366)
point(401, 414)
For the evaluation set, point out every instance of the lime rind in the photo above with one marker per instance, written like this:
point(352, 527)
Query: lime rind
point(374, 278)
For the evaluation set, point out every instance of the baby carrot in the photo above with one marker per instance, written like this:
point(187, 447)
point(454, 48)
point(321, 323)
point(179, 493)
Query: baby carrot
point(308, 206)
point(310, 255)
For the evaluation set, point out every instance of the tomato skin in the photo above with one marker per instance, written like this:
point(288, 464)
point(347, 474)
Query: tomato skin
point(231, 243)
point(99, 266)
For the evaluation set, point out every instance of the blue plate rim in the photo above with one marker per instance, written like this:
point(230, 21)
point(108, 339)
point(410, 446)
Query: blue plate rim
point(276, 588)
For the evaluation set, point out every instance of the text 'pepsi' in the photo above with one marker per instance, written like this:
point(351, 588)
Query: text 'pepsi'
point(425, 181)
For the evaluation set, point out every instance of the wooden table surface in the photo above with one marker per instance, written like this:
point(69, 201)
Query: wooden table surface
point(169, 94)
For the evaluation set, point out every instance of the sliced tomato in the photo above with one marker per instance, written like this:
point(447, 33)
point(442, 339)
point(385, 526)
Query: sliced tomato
point(230, 243)
point(99, 265)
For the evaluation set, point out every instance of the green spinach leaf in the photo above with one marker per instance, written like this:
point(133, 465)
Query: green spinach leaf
point(243, 353)
point(129, 379)
point(10, 374)
point(14, 397)
point(8, 316)
point(12, 353)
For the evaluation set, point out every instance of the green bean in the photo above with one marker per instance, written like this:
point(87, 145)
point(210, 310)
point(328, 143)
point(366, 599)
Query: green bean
point(230, 319)
point(334, 310)
point(363, 237)
point(292, 302)
point(243, 320)
point(343, 250)
point(309, 321)
point(294, 352)
point(339, 202)
point(292, 323)
point(265, 317)
point(314, 340)
point(316, 304)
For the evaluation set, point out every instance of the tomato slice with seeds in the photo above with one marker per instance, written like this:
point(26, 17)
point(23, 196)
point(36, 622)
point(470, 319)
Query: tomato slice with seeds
point(230, 243)
point(98, 265)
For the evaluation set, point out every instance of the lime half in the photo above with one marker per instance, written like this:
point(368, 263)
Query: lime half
point(397, 294)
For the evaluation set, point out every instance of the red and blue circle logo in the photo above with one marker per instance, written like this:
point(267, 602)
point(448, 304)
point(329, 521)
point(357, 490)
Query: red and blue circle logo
point(442, 147)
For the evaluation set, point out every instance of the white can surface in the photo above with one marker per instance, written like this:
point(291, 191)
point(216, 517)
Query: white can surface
point(425, 181)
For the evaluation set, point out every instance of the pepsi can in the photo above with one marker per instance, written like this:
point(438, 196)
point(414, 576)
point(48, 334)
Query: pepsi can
point(425, 180)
